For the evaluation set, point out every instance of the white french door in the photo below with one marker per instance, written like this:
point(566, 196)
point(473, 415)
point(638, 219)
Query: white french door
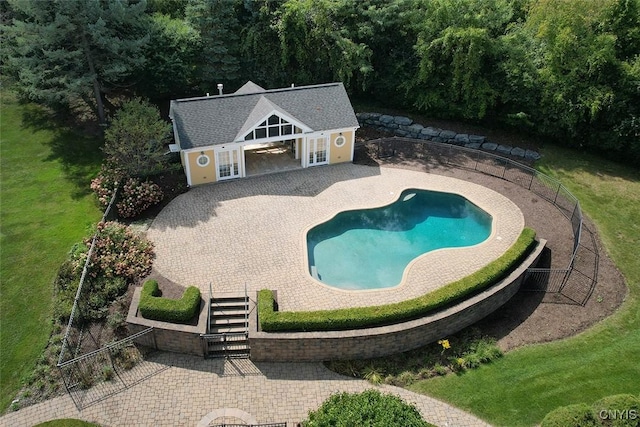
point(228, 164)
point(317, 151)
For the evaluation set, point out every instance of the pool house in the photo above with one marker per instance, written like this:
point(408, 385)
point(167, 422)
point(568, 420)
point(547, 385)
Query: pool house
point(254, 131)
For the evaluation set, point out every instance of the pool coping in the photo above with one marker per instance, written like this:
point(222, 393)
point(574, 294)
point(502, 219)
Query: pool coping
point(422, 258)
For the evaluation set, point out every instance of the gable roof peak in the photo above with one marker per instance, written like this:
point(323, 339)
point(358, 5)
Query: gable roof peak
point(262, 109)
point(249, 87)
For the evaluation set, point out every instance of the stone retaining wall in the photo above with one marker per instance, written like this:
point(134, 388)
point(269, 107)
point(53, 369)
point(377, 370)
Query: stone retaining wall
point(404, 126)
point(167, 336)
point(386, 340)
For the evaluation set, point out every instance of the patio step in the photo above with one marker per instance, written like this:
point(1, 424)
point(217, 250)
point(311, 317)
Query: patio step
point(228, 329)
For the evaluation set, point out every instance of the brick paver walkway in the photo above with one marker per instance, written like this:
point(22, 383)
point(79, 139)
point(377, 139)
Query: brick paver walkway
point(192, 388)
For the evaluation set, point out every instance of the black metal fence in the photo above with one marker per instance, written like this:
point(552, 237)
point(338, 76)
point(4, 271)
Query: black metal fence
point(92, 372)
point(94, 376)
point(577, 280)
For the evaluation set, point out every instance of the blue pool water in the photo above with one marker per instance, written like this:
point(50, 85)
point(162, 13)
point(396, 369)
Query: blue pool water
point(370, 248)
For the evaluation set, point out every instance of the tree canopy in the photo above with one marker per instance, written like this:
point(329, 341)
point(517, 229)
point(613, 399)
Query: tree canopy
point(566, 70)
point(64, 51)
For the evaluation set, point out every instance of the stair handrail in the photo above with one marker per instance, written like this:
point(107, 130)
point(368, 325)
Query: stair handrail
point(209, 308)
point(246, 309)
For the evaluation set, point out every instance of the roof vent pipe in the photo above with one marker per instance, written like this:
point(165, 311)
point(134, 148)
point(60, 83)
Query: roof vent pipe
point(207, 94)
point(220, 86)
point(292, 84)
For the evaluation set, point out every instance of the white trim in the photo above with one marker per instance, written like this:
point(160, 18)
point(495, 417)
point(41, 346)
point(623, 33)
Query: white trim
point(313, 140)
point(202, 155)
point(290, 120)
point(243, 163)
point(187, 168)
point(234, 173)
point(342, 139)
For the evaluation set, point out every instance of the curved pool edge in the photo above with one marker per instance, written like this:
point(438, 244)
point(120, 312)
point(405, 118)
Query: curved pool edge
point(437, 256)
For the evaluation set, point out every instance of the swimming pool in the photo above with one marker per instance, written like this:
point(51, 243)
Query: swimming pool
point(371, 248)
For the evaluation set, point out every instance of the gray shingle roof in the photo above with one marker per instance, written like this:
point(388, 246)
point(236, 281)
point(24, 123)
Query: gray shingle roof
point(249, 87)
point(201, 122)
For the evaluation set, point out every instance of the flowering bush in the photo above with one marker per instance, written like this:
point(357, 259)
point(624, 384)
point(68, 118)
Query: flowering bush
point(105, 184)
point(118, 252)
point(137, 196)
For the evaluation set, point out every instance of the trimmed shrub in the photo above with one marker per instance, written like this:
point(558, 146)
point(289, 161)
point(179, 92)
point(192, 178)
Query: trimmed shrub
point(154, 307)
point(579, 415)
point(364, 317)
point(620, 410)
point(369, 408)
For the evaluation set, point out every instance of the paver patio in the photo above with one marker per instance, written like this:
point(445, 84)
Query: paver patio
point(252, 232)
point(192, 388)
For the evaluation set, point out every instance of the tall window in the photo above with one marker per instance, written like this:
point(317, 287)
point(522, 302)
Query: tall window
point(274, 126)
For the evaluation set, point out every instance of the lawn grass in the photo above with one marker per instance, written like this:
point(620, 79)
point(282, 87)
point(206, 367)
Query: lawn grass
point(46, 207)
point(522, 387)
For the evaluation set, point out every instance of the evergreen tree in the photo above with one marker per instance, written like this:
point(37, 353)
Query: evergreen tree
point(217, 22)
point(135, 144)
point(61, 51)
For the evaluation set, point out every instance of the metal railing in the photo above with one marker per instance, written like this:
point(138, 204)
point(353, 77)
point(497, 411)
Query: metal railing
point(83, 276)
point(226, 340)
point(99, 374)
point(548, 188)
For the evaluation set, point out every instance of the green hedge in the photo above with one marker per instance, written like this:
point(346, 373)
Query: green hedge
point(578, 415)
point(364, 317)
point(154, 307)
point(620, 410)
point(369, 408)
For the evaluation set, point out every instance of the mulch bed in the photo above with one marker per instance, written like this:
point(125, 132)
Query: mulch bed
point(529, 317)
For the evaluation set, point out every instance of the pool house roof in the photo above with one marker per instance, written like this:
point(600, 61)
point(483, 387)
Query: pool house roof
point(221, 119)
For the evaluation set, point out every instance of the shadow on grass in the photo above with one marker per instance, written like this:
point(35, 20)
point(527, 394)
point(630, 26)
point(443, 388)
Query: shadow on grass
point(79, 153)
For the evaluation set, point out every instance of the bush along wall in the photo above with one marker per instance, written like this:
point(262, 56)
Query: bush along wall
point(406, 127)
point(365, 317)
point(154, 307)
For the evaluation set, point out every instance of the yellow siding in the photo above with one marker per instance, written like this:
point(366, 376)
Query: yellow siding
point(202, 174)
point(341, 154)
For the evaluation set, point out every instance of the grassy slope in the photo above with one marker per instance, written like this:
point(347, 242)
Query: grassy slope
point(45, 209)
point(527, 383)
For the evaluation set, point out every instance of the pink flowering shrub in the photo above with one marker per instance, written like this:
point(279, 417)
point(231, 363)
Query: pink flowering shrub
point(104, 185)
point(134, 196)
point(137, 196)
point(118, 252)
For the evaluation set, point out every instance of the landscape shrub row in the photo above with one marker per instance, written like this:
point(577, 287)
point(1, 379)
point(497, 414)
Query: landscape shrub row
point(154, 307)
point(272, 320)
point(467, 349)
